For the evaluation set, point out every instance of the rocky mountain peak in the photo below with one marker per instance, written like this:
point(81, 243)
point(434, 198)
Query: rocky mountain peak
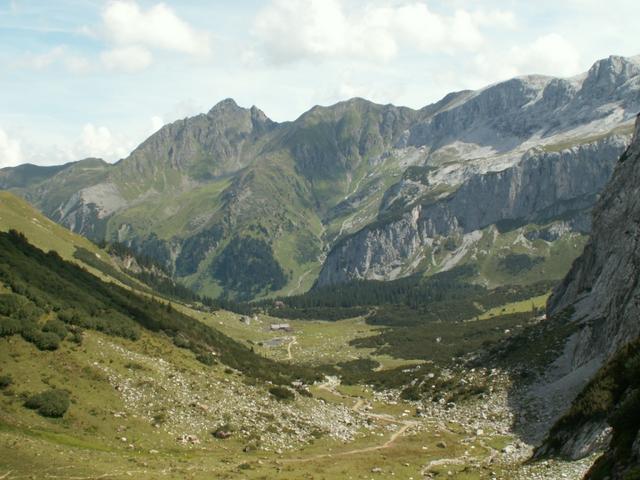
point(609, 73)
point(228, 105)
point(228, 112)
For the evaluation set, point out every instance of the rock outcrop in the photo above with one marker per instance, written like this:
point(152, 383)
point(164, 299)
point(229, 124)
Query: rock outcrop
point(204, 146)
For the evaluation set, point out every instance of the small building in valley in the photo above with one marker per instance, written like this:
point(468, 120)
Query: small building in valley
point(280, 327)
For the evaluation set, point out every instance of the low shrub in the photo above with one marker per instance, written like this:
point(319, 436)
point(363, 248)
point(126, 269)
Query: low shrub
point(47, 341)
point(134, 366)
point(633, 474)
point(206, 359)
point(412, 393)
point(57, 327)
point(9, 326)
point(5, 381)
point(282, 393)
point(181, 342)
point(51, 403)
point(42, 340)
point(304, 392)
point(77, 336)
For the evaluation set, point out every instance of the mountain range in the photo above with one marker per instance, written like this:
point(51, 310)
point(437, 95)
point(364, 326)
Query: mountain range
point(232, 203)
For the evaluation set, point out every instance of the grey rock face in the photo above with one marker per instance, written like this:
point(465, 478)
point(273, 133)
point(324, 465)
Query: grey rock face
point(609, 78)
point(603, 289)
point(504, 114)
point(603, 283)
point(541, 187)
point(590, 438)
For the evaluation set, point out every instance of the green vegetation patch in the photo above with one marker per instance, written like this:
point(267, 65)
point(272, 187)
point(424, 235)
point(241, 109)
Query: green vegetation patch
point(247, 265)
point(51, 403)
point(516, 263)
point(282, 393)
point(443, 342)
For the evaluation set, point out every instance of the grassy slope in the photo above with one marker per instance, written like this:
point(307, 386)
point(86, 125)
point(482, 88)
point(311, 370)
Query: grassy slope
point(315, 342)
point(531, 304)
point(111, 432)
point(17, 214)
point(169, 216)
point(58, 287)
point(69, 181)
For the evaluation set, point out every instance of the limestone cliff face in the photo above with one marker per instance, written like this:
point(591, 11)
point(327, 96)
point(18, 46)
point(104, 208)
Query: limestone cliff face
point(603, 283)
point(543, 186)
point(603, 290)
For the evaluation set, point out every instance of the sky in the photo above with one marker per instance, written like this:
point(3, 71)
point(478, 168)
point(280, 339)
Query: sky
point(94, 78)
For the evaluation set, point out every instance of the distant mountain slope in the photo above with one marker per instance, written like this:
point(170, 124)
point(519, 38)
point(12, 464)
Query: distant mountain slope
point(545, 198)
point(26, 175)
point(539, 134)
point(337, 183)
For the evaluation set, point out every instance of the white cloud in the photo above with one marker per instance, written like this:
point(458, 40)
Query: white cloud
point(58, 55)
point(77, 64)
point(184, 108)
point(127, 59)
point(550, 54)
point(10, 151)
point(294, 29)
point(158, 27)
point(290, 30)
point(347, 85)
point(90, 141)
point(495, 18)
point(43, 60)
point(156, 124)
point(131, 33)
point(101, 143)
